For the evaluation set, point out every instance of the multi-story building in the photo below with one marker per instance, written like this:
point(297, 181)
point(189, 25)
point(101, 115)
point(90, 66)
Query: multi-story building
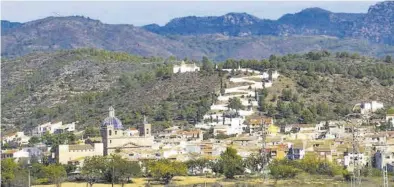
point(115, 138)
point(75, 154)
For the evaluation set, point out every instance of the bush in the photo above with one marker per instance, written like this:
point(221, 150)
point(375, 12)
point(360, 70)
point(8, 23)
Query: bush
point(282, 170)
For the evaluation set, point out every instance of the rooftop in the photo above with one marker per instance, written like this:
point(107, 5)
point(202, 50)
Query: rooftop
point(80, 147)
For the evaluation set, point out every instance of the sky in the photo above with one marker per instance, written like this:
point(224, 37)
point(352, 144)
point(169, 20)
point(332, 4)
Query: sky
point(160, 12)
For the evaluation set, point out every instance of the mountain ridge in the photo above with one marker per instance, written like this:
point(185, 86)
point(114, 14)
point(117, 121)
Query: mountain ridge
point(233, 35)
point(309, 21)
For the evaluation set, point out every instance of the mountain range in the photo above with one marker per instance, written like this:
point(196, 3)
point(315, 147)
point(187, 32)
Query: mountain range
point(234, 35)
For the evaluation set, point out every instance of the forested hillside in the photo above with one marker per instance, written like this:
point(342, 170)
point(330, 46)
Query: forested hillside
point(322, 86)
point(80, 85)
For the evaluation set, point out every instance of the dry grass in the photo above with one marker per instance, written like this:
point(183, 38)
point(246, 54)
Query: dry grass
point(179, 180)
point(279, 85)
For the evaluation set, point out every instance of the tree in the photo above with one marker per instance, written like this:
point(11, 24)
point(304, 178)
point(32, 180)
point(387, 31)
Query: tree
point(388, 59)
point(91, 132)
point(163, 113)
point(55, 173)
point(305, 81)
point(322, 109)
point(282, 169)
point(8, 170)
point(231, 163)
point(262, 104)
point(123, 169)
point(197, 164)
point(165, 170)
point(93, 169)
point(70, 168)
point(207, 65)
point(287, 94)
point(34, 140)
point(307, 116)
point(254, 162)
point(235, 103)
point(271, 110)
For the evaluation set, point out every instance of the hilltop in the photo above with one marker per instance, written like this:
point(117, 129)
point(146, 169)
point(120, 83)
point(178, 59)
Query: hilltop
point(54, 33)
point(375, 25)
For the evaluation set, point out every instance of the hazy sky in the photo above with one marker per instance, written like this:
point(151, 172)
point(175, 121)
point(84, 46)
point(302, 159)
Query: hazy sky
point(141, 13)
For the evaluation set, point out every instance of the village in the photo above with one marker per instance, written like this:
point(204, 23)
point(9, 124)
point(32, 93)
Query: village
point(351, 143)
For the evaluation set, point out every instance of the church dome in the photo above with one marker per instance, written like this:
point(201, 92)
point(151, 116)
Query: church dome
point(112, 120)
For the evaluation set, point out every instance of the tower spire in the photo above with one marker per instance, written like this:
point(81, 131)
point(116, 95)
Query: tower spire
point(111, 112)
point(145, 121)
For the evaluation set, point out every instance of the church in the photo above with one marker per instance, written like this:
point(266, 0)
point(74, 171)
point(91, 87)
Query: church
point(115, 138)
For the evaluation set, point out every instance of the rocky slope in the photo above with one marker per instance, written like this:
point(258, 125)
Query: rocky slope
point(375, 25)
point(234, 35)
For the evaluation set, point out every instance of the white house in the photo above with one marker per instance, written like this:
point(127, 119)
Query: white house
point(185, 68)
point(46, 127)
point(18, 137)
point(368, 107)
point(349, 158)
point(236, 126)
point(65, 128)
point(51, 128)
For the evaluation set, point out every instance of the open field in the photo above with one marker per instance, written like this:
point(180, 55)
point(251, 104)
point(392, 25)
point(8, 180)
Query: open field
point(301, 180)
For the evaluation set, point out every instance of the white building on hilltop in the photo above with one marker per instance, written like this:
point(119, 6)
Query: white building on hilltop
point(185, 68)
point(368, 107)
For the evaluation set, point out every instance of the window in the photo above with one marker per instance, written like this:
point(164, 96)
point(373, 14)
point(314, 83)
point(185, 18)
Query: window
point(110, 132)
point(147, 131)
point(116, 132)
point(110, 141)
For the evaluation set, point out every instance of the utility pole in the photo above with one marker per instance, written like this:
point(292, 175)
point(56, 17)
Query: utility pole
point(29, 168)
point(356, 177)
point(384, 172)
point(263, 149)
point(113, 172)
point(385, 177)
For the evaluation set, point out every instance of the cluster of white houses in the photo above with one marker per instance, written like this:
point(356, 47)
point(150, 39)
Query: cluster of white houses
point(329, 140)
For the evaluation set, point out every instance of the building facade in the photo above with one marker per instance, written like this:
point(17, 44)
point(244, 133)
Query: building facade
point(115, 139)
point(75, 154)
point(183, 68)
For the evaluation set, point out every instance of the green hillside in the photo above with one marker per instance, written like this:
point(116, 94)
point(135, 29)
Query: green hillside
point(80, 85)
